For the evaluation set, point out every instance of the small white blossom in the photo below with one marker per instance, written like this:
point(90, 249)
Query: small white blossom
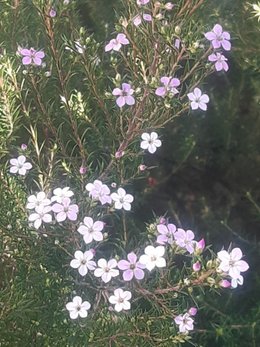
point(65, 210)
point(153, 257)
point(83, 262)
point(150, 142)
point(106, 269)
point(78, 308)
point(99, 191)
point(91, 230)
point(185, 323)
point(40, 215)
point(37, 200)
point(121, 299)
point(20, 165)
point(122, 200)
point(231, 263)
point(60, 193)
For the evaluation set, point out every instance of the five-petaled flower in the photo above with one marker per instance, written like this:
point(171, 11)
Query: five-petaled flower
point(198, 100)
point(99, 191)
point(116, 44)
point(131, 268)
point(78, 308)
point(137, 20)
point(91, 230)
point(231, 263)
point(31, 56)
point(106, 269)
point(122, 200)
point(169, 86)
point(219, 38)
point(65, 210)
point(124, 95)
point(166, 233)
point(185, 239)
point(83, 262)
point(153, 257)
point(40, 215)
point(150, 142)
point(185, 323)
point(120, 299)
point(220, 61)
point(20, 165)
point(60, 193)
point(37, 200)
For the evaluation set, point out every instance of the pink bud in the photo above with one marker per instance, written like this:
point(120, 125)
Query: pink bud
point(52, 13)
point(142, 167)
point(83, 170)
point(23, 146)
point(177, 43)
point(162, 220)
point(225, 284)
point(201, 244)
point(169, 6)
point(93, 251)
point(196, 266)
point(119, 154)
point(193, 311)
point(113, 184)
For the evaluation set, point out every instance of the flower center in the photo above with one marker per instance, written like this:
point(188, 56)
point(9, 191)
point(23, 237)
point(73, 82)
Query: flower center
point(78, 308)
point(106, 269)
point(120, 300)
point(132, 266)
point(153, 258)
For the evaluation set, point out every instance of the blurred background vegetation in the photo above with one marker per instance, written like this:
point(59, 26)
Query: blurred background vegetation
point(207, 178)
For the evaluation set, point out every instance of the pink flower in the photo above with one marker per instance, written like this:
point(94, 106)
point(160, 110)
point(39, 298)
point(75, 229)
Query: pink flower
point(169, 6)
point(116, 44)
point(65, 210)
point(166, 233)
point(220, 61)
point(122, 200)
point(99, 191)
point(196, 266)
point(40, 215)
point(83, 170)
point(224, 284)
point(91, 230)
point(31, 56)
point(124, 95)
point(169, 84)
point(198, 100)
point(52, 13)
point(142, 2)
point(185, 323)
point(231, 263)
point(192, 311)
point(219, 38)
point(23, 147)
point(20, 165)
point(106, 269)
point(185, 239)
point(131, 268)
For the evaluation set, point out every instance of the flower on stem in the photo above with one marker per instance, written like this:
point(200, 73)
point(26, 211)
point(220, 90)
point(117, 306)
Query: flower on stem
point(224, 284)
point(116, 44)
point(169, 86)
point(219, 38)
point(137, 20)
point(65, 210)
point(166, 233)
point(153, 257)
point(52, 13)
point(185, 239)
point(99, 191)
point(60, 193)
point(196, 266)
point(124, 95)
point(37, 200)
point(142, 2)
point(198, 100)
point(83, 262)
point(193, 311)
point(132, 267)
point(120, 299)
point(106, 269)
point(20, 165)
point(40, 215)
point(91, 230)
point(231, 263)
point(185, 323)
point(31, 56)
point(78, 308)
point(23, 147)
point(169, 6)
point(122, 200)
point(150, 142)
point(220, 61)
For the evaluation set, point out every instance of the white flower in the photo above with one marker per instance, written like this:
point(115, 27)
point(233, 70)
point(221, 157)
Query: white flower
point(198, 100)
point(185, 323)
point(236, 281)
point(153, 257)
point(78, 308)
point(231, 263)
point(106, 270)
point(38, 200)
point(40, 215)
point(79, 47)
point(20, 165)
point(83, 262)
point(122, 200)
point(91, 230)
point(60, 193)
point(99, 191)
point(65, 210)
point(150, 142)
point(121, 299)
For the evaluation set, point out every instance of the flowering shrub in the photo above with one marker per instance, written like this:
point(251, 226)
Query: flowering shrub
point(83, 151)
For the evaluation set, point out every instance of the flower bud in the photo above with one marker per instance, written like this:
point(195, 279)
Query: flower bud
point(193, 311)
point(177, 30)
point(196, 267)
point(224, 284)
